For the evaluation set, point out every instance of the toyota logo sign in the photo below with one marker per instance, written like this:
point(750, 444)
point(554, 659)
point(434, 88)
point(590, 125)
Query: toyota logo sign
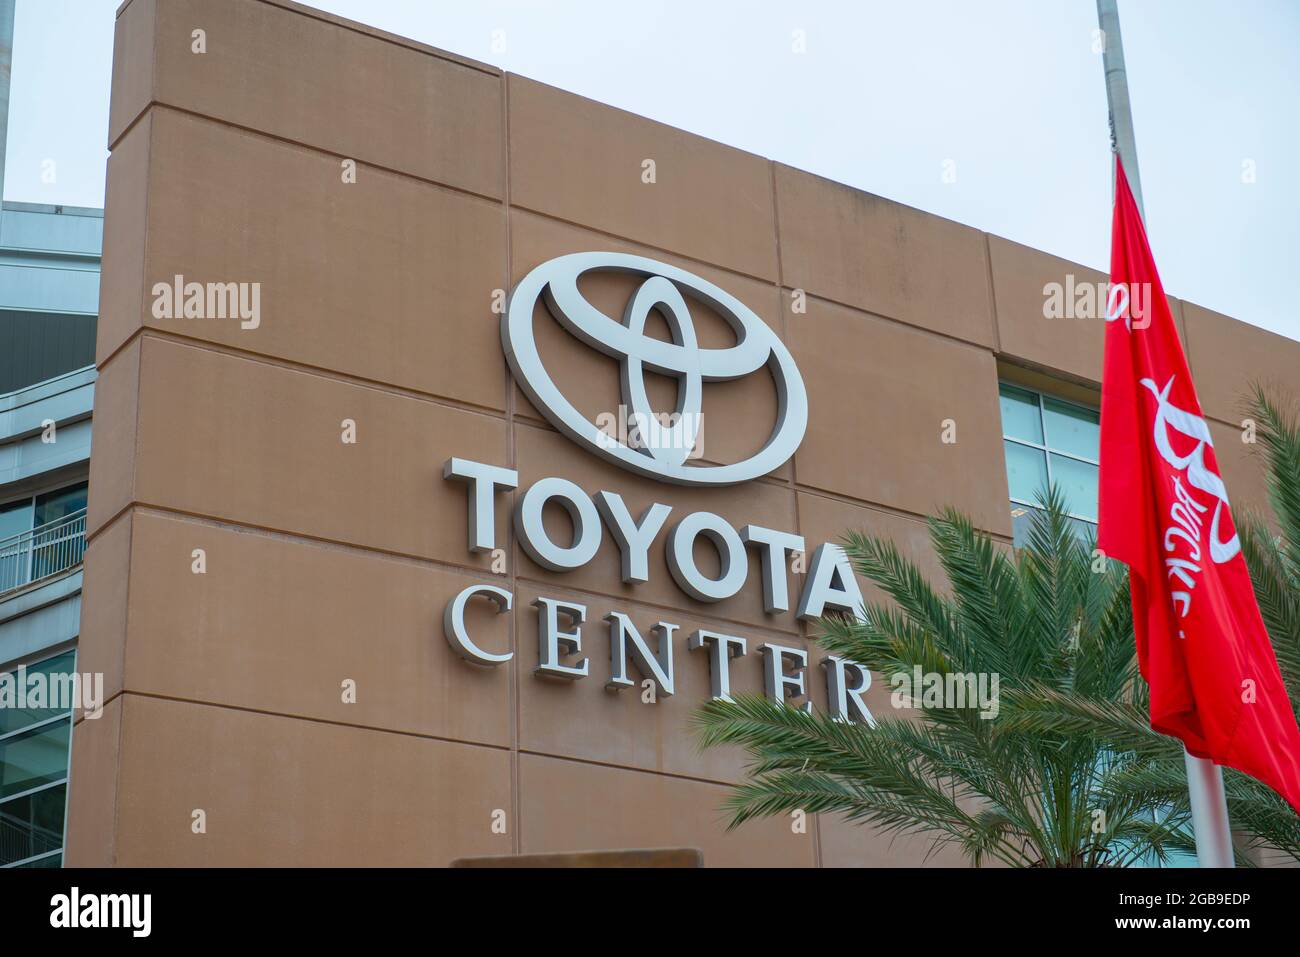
point(665, 288)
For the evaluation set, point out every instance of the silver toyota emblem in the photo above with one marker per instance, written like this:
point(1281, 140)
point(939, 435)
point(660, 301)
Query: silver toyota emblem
point(664, 450)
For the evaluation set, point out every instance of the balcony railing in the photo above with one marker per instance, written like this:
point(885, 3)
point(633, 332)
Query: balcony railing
point(21, 838)
point(42, 552)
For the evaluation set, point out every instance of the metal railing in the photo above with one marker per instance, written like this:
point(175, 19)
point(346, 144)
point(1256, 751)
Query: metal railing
point(22, 838)
point(42, 552)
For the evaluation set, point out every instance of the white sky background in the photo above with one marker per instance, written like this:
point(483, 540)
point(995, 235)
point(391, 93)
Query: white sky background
point(1010, 90)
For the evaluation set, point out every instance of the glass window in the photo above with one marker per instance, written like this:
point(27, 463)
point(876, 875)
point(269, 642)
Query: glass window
point(1020, 415)
point(1072, 428)
point(60, 669)
point(1049, 440)
point(32, 825)
point(34, 762)
point(1026, 471)
point(1078, 483)
point(55, 505)
point(32, 758)
point(15, 518)
point(1022, 517)
point(50, 550)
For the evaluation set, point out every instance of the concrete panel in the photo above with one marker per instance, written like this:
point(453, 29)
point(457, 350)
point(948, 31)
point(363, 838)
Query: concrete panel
point(1072, 346)
point(1244, 471)
point(270, 453)
point(279, 625)
point(107, 569)
point(325, 85)
point(847, 844)
point(1228, 357)
point(571, 806)
point(113, 432)
point(583, 719)
point(879, 395)
point(133, 85)
point(91, 836)
point(122, 301)
point(356, 278)
point(843, 244)
point(582, 161)
point(297, 793)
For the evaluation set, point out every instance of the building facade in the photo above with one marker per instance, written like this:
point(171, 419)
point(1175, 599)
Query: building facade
point(315, 435)
point(49, 298)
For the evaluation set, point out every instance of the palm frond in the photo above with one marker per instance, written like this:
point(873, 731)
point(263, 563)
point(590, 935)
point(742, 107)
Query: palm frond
point(1069, 772)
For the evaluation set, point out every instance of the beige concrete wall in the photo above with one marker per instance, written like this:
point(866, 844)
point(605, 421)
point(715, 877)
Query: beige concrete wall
point(328, 562)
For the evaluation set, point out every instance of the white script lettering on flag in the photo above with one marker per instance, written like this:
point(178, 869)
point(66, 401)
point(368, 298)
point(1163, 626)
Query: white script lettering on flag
point(1186, 513)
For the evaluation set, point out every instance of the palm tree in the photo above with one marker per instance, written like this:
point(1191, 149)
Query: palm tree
point(1044, 618)
point(1264, 822)
point(1274, 563)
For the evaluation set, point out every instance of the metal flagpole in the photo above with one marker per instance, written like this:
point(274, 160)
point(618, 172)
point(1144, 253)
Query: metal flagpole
point(1204, 777)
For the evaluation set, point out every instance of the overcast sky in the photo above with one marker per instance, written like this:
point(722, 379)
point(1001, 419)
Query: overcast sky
point(885, 97)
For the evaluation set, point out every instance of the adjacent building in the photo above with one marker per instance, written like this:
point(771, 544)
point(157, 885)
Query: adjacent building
point(49, 298)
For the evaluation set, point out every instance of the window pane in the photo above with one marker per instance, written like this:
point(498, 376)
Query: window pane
point(1084, 531)
point(1020, 418)
point(1072, 429)
point(32, 758)
point(32, 824)
point(12, 717)
point(1026, 471)
point(1078, 482)
point(15, 518)
point(65, 501)
point(1022, 516)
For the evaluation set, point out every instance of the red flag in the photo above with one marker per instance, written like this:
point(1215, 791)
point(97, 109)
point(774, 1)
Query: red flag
point(1201, 643)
